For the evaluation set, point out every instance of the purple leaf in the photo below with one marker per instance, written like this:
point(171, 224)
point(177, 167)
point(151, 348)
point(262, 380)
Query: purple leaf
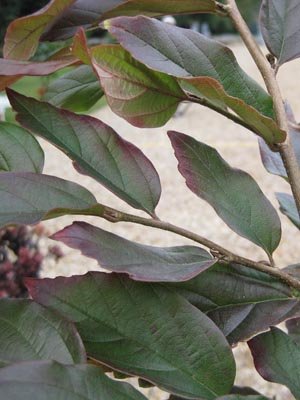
point(140, 262)
point(288, 207)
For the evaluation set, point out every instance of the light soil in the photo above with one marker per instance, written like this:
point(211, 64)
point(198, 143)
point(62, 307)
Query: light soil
point(179, 205)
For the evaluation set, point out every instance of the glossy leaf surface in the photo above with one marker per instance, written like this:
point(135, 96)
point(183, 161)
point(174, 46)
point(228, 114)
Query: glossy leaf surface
point(19, 150)
point(23, 34)
point(184, 53)
point(277, 358)
point(46, 380)
point(143, 97)
point(211, 90)
point(90, 12)
point(27, 198)
point(28, 331)
point(234, 194)
point(144, 330)
point(288, 207)
point(77, 90)
point(239, 300)
point(140, 262)
point(96, 149)
point(280, 28)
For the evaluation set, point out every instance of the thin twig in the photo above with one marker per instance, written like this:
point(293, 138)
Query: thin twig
point(269, 76)
point(217, 251)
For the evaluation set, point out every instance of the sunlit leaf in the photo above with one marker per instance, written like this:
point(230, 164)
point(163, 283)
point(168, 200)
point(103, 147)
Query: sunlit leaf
point(141, 262)
point(19, 150)
point(235, 195)
point(49, 380)
point(239, 300)
point(96, 149)
point(27, 198)
point(280, 28)
point(23, 34)
point(288, 207)
point(28, 331)
point(277, 358)
point(77, 90)
point(145, 330)
point(184, 53)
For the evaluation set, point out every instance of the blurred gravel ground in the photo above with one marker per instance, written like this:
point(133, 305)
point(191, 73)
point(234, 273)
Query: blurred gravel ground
point(181, 206)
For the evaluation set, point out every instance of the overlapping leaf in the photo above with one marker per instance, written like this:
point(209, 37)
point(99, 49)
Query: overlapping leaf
point(280, 28)
point(19, 150)
point(241, 397)
point(234, 194)
point(12, 70)
point(277, 358)
point(96, 149)
point(143, 97)
point(27, 198)
point(77, 90)
point(288, 207)
point(90, 12)
point(23, 34)
point(239, 300)
point(28, 331)
point(212, 90)
point(293, 327)
point(49, 380)
point(144, 330)
point(184, 53)
point(141, 262)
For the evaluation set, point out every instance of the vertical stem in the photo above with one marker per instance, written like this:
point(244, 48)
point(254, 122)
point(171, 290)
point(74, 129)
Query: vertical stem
point(269, 76)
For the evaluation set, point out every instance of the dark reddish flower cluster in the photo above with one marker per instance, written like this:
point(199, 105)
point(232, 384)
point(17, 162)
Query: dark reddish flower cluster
point(21, 257)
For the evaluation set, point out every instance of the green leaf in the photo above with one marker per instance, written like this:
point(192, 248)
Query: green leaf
point(28, 331)
point(288, 208)
point(77, 90)
point(155, 8)
point(88, 13)
point(241, 397)
point(236, 394)
point(23, 34)
point(46, 380)
point(277, 359)
point(234, 194)
point(239, 300)
point(27, 198)
point(279, 20)
point(293, 327)
point(19, 150)
point(144, 330)
point(184, 53)
point(96, 149)
point(212, 90)
point(140, 262)
point(143, 97)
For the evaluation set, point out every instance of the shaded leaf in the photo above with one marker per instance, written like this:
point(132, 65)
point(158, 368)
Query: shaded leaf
point(19, 150)
point(23, 34)
point(288, 207)
point(27, 198)
point(143, 97)
point(90, 12)
point(239, 300)
point(241, 397)
point(212, 90)
point(11, 70)
point(46, 380)
point(277, 358)
point(293, 327)
point(77, 90)
point(96, 149)
point(155, 8)
point(140, 262)
point(144, 330)
point(184, 53)
point(279, 21)
point(272, 160)
point(234, 194)
point(28, 331)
